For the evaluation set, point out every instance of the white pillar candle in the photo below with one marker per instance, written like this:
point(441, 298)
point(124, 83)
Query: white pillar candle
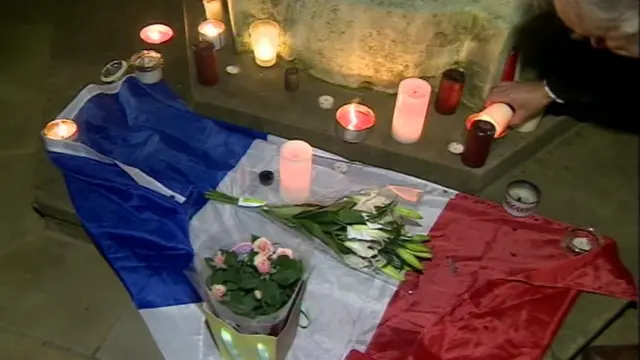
point(412, 103)
point(212, 31)
point(265, 40)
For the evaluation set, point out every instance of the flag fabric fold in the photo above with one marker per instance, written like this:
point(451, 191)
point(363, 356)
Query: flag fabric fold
point(498, 287)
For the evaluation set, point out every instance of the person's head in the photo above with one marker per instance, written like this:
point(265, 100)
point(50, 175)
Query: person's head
point(611, 24)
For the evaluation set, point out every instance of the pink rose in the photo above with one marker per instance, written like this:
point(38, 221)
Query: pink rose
point(262, 263)
point(284, 252)
point(219, 260)
point(263, 246)
point(218, 291)
point(257, 294)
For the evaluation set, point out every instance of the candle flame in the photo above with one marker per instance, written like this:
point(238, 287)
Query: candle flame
point(264, 50)
point(353, 119)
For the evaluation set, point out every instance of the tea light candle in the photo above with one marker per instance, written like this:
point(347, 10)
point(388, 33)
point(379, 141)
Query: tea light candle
point(521, 198)
point(265, 39)
point(354, 121)
point(213, 9)
point(147, 65)
point(412, 103)
point(213, 32)
point(156, 34)
point(61, 129)
point(296, 158)
point(499, 114)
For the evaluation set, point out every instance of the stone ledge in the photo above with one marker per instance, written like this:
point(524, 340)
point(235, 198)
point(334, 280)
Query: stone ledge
point(255, 98)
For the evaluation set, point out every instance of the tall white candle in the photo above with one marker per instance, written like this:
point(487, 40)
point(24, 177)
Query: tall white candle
point(410, 112)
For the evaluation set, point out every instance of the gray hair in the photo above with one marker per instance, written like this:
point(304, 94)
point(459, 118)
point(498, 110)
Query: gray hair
point(619, 14)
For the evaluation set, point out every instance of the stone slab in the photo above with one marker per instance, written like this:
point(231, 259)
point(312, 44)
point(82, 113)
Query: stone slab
point(255, 98)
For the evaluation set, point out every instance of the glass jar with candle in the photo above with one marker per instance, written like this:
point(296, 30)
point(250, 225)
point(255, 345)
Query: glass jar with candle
point(479, 140)
point(213, 9)
point(265, 40)
point(410, 112)
point(213, 32)
point(147, 65)
point(296, 158)
point(206, 62)
point(450, 91)
point(499, 114)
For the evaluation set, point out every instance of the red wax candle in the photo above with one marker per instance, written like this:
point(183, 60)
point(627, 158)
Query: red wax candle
point(510, 67)
point(450, 91)
point(206, 61)
point(478, 145)
point(355, 117)
point(156, 34)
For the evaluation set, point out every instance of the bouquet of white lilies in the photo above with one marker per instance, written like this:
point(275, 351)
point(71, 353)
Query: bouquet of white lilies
point(367, 230)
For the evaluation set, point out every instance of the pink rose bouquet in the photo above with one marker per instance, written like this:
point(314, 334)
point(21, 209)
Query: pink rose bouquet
point(254, 279)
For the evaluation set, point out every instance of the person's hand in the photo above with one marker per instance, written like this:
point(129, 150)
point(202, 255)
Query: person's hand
point(527, 98)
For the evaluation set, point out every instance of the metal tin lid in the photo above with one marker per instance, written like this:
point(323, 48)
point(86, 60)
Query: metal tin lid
point(232, 69)
point(114, 71)
point(146, 61)
point(455, 147)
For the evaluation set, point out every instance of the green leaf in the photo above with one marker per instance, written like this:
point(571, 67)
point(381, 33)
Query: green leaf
point(248, 281)
point(285, 262)
point(241, 303)
point(349, 216)
point(231, 260)
point(287, 211)
point(323, 217)
point(408, 213)
point(315, 230)
point(286, 277)
point(217, 277)
point(231, 286)
point(231, 276)
point(221, 197)
point(272, 295)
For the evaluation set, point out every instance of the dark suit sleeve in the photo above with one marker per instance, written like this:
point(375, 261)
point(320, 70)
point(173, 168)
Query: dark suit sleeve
point(596, 85)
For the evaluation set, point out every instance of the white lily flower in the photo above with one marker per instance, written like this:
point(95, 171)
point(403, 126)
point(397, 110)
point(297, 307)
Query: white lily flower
point(363, 232)
point(355, 261)
point(369, 202)
point(361, 248)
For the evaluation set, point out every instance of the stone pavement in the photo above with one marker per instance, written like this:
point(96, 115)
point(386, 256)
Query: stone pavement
point(60, 300)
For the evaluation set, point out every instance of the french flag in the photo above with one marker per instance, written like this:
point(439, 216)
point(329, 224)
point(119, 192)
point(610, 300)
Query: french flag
point(498, 287)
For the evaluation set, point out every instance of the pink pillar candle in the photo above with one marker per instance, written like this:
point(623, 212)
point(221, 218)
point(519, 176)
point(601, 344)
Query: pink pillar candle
point(499, 114)
point(412, 103)
point(295, 171)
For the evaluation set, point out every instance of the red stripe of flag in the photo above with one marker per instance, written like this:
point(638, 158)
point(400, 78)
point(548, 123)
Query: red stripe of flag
point(498, 288)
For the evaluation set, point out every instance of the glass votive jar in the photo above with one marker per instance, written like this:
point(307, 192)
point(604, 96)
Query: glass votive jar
point(206, 63)
point(265, 40)
point(450, 91)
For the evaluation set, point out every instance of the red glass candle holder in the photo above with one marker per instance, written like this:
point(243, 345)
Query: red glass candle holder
point(499, 114)
point(478, 144)
point(206, 62)
point(450, 91)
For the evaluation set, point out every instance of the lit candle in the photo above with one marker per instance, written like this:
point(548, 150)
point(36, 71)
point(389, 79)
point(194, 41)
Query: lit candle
point(354, 121)
point(521, 198)
point(147, 65)
point(61, 129)
point(213, 32)
point(156, 34)
point(499, 114)
point(265, 39)
point(296, 158)
point(213, 9)
point(412, 103)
